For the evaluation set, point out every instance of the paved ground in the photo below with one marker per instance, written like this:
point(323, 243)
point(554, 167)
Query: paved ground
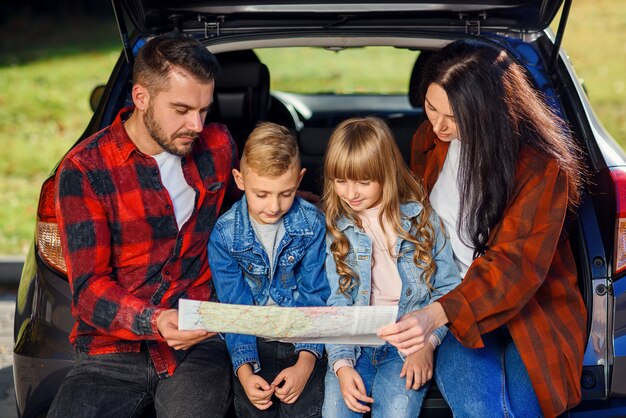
point(7, 393)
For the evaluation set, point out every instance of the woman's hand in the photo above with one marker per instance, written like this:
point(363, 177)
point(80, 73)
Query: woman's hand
point(418, 367)
point(353, 390)
point(411, 332)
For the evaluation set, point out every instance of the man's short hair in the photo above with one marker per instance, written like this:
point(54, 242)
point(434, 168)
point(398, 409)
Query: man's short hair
point(270, 150)
point(161, 54)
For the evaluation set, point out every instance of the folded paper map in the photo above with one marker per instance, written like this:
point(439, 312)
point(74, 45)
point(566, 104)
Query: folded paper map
point(324, 324)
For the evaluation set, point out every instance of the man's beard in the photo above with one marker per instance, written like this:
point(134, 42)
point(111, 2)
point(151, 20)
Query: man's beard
point(168, 144)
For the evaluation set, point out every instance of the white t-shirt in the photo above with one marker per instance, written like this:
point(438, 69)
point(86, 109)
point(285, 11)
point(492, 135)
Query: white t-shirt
point(445, 198)
point(270, 236)
point(183, 196)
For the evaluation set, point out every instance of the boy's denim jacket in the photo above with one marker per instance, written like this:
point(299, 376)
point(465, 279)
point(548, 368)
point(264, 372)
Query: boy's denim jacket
point(415, 294)
point(241, 268)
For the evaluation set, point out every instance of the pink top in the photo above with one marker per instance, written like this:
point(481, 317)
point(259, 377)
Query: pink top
point(386, 282)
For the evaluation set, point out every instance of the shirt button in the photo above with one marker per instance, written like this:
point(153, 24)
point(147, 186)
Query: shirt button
point(168, 207)
point(408, 292)
point(167, 272)
point(290, 258)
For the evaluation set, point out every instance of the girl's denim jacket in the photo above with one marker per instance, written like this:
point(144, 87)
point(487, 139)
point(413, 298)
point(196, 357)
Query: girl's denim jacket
point(415, 294)
point(241, 269)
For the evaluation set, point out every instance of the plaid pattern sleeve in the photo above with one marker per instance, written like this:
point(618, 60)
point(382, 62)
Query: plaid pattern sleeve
point(97, 297)
point(520, 253)
point(127, 258)
point(527, 279)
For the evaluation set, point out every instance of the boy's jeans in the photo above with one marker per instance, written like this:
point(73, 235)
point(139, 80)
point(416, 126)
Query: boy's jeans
point(485, 382)
point(126, 385)
point(380, 369)
point(275, 357)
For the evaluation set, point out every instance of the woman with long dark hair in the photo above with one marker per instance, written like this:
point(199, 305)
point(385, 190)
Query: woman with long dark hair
point(503, 174)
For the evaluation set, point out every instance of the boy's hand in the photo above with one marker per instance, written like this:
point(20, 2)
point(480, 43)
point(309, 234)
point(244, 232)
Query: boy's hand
point(418, 367)
point(289, 383)
point(353, 390)
point(257, 389)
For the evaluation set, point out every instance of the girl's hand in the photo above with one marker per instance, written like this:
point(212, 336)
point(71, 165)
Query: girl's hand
point(353, 390)
point(289, 383)
point(418, 367)
point(257, 389)
point(411, 332)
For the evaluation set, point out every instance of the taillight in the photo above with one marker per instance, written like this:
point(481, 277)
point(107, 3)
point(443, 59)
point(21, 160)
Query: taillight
point(48, 239)
point(619, 179)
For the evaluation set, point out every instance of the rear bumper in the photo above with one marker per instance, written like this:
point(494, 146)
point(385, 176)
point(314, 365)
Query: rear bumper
point(36, 383)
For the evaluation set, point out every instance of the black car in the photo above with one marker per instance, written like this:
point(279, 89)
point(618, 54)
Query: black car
point(242, 35)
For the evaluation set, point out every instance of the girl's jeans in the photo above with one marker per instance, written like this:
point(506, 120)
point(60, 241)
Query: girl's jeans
point(486, 382)
point(380, 368)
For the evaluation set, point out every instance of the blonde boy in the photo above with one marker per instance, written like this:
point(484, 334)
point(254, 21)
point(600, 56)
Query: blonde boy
point(269, 249)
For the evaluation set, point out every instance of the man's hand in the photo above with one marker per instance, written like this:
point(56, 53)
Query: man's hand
point(418, 367)
point(353, 390)
point(258, 391)
point(289, 383)
point(411, 332)
point(167, 324)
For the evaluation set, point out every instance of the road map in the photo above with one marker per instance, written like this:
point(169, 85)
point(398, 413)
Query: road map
point(321, 325)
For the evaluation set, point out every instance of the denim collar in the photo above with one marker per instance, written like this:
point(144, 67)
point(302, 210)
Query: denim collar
point(295, 222)
point(408, 211)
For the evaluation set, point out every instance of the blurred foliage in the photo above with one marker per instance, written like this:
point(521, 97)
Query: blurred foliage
point(26, 37)
point(58, 9)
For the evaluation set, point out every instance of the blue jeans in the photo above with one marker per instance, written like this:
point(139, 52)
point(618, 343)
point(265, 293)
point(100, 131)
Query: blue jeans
point(486, 382)
point(127, 385)
point(275, 357)
point(380, 368)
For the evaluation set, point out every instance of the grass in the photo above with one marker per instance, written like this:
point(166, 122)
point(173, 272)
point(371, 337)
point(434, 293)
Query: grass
point(388, 70)
point(44, 107)
point(48, 72)
point(596, 43)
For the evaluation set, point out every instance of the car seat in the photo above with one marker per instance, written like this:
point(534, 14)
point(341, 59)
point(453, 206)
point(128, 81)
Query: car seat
point(242, 94)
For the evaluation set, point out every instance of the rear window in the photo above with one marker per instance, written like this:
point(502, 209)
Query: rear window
point(364, 70)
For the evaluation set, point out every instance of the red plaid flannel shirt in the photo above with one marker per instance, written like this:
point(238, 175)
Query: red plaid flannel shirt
point(126, 259)
point(526, 280)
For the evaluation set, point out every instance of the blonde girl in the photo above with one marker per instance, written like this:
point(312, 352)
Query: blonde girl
point(384, 246)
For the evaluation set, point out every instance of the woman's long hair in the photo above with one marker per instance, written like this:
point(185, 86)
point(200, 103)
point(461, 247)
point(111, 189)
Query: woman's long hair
point(364, 149)
point(497, 110)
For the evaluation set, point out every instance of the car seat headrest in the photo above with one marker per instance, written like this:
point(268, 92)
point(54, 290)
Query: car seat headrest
point(241, 97)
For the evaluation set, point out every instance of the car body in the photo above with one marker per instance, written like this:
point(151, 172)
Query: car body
point(234, 31)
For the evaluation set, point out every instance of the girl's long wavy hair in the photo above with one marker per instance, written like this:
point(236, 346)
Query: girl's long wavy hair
point(364, 149)
point(497, 110)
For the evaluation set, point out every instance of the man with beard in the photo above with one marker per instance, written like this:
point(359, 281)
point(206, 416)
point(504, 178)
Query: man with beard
point(136, 203)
